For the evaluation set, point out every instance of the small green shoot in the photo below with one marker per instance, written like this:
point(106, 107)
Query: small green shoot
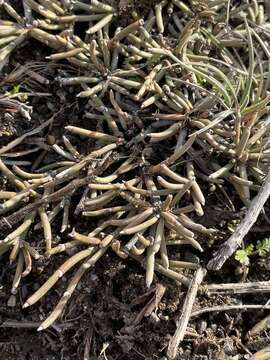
point(262, 249)
point(15, 90)
point(243, 255)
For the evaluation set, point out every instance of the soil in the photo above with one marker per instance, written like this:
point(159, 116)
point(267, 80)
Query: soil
point(101, 314)
point(99, 321)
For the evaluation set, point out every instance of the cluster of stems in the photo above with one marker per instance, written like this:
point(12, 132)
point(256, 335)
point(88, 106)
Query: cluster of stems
point(173, 102)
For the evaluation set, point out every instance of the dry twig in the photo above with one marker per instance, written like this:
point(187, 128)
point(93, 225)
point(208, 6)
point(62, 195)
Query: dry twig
point(229, 308)
point(238, 288)
point(231, 245)
point(185, 315)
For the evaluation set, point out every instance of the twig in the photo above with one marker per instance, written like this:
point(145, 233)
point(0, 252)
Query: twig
point(147, 310)
point(14, 218)
point(32, 325)
point(229, 308)
point(88, 342)
point(230, 246)
point(238, 288)
point(185, 315)
point(18, 141)
point(20, 324)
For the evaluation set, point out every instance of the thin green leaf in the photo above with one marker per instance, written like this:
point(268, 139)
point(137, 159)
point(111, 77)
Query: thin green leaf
point(246, 95)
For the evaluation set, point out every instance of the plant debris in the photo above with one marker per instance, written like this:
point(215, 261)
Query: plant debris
point(157, 113)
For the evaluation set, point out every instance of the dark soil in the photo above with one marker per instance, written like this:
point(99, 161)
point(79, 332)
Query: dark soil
point(101, 313)
point(99, 320)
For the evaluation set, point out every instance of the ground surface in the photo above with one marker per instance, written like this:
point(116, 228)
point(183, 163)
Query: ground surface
point(101, 320)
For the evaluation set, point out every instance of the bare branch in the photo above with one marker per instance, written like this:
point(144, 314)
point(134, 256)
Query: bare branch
point(185, 315)
point(231, 245)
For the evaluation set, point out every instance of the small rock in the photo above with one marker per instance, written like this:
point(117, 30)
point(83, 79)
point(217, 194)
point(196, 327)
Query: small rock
point(201, 326)
point(93, 277)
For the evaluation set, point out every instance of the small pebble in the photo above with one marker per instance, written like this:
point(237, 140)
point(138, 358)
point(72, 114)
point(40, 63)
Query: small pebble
point(201, 326)
point(94, 277)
